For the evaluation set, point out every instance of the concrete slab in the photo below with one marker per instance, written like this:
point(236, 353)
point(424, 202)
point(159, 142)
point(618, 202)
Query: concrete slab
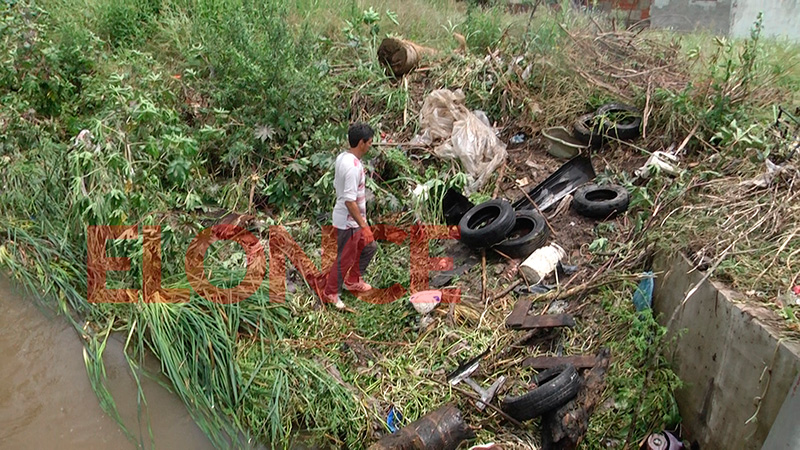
point(728, 354)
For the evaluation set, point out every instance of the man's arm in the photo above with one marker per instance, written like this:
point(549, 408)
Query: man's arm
point(352, 208)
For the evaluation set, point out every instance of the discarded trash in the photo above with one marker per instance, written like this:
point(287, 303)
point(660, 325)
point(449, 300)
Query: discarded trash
point(460, 134)
point(600, 202)
point(533, 289)
point(401, 56)
point(394, 419)
point(643, 296)
point(439, 112)
point(564, 181)
point(425, 301)
point(566, 270)
point(464, 372)
point(541, 263)
point(483, 117)
point(562, 143)
point(528, 233)
point(522, 182)
point(454, 206)
point(662, 441)
point(619, 121)
point(442, 429)
point(518, 138)
point(487, 224)
point(558, 307)
point(520, 320)
point(791, 297)
point(765, 180)
point(661, 162)
point(587, 131)
point(548, 362)
point(489, 446)
point(546, 321)
point(478, 148)
point(557, 386)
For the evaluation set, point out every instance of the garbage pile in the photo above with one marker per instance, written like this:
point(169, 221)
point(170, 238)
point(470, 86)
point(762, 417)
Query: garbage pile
point(521, 231)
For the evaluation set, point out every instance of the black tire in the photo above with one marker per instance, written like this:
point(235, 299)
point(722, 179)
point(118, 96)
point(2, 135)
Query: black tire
point(486, 224)
point(556, 387)
point(587, 132)
point(600, 202)
point(628, 128)
point(528, 233)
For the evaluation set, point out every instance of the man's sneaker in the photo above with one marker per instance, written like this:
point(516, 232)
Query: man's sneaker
point(335, 299)
point(359, 286)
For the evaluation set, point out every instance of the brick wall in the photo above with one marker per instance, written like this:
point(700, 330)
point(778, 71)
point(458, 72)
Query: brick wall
point(638, 9)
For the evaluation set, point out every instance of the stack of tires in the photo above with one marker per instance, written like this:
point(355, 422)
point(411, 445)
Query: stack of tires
point(495, 224)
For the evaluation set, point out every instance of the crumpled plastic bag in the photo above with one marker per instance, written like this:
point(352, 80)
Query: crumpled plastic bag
point(765, 180)
point(440, 110)
point(460, 134)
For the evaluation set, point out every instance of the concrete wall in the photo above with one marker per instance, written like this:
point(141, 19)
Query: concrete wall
point(781, 17)
point(785, 434)
point(728, 354)
point(688, 15)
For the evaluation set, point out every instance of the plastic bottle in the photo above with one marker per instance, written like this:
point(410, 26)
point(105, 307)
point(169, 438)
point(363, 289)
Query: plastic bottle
point(541, 263)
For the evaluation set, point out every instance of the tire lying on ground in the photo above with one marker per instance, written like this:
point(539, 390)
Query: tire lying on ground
point(486, 224)
point(619, 121)
point(600, 202)
point(556, 387)
point(528, 233)
point(586, 131)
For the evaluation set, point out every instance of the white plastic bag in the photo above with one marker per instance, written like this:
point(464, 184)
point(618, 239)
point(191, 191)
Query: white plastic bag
point(463, 135)
point(440, 110)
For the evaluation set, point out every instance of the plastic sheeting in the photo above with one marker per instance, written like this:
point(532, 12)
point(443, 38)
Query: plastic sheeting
point(457, 133)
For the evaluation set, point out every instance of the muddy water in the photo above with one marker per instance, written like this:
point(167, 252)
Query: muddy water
point(46, 400)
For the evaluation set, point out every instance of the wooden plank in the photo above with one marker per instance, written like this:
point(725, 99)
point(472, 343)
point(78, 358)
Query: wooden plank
point(547, 321)
point(548, 362)
point(517, 316)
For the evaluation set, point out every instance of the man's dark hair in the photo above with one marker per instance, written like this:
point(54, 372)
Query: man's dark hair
point(358, 132)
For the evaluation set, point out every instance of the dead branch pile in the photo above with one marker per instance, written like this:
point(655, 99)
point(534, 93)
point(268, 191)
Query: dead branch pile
point(627, 62)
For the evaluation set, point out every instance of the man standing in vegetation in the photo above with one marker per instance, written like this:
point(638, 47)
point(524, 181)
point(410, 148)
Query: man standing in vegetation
point(354, 241)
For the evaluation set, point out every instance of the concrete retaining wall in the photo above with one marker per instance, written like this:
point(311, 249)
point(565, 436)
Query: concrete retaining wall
point(729, 354)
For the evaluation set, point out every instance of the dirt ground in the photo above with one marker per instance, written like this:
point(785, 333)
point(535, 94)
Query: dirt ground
point(570, 230)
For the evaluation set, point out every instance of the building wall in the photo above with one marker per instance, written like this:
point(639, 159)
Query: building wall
point(711, 15)
point(636, 10)
point(781, 17)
